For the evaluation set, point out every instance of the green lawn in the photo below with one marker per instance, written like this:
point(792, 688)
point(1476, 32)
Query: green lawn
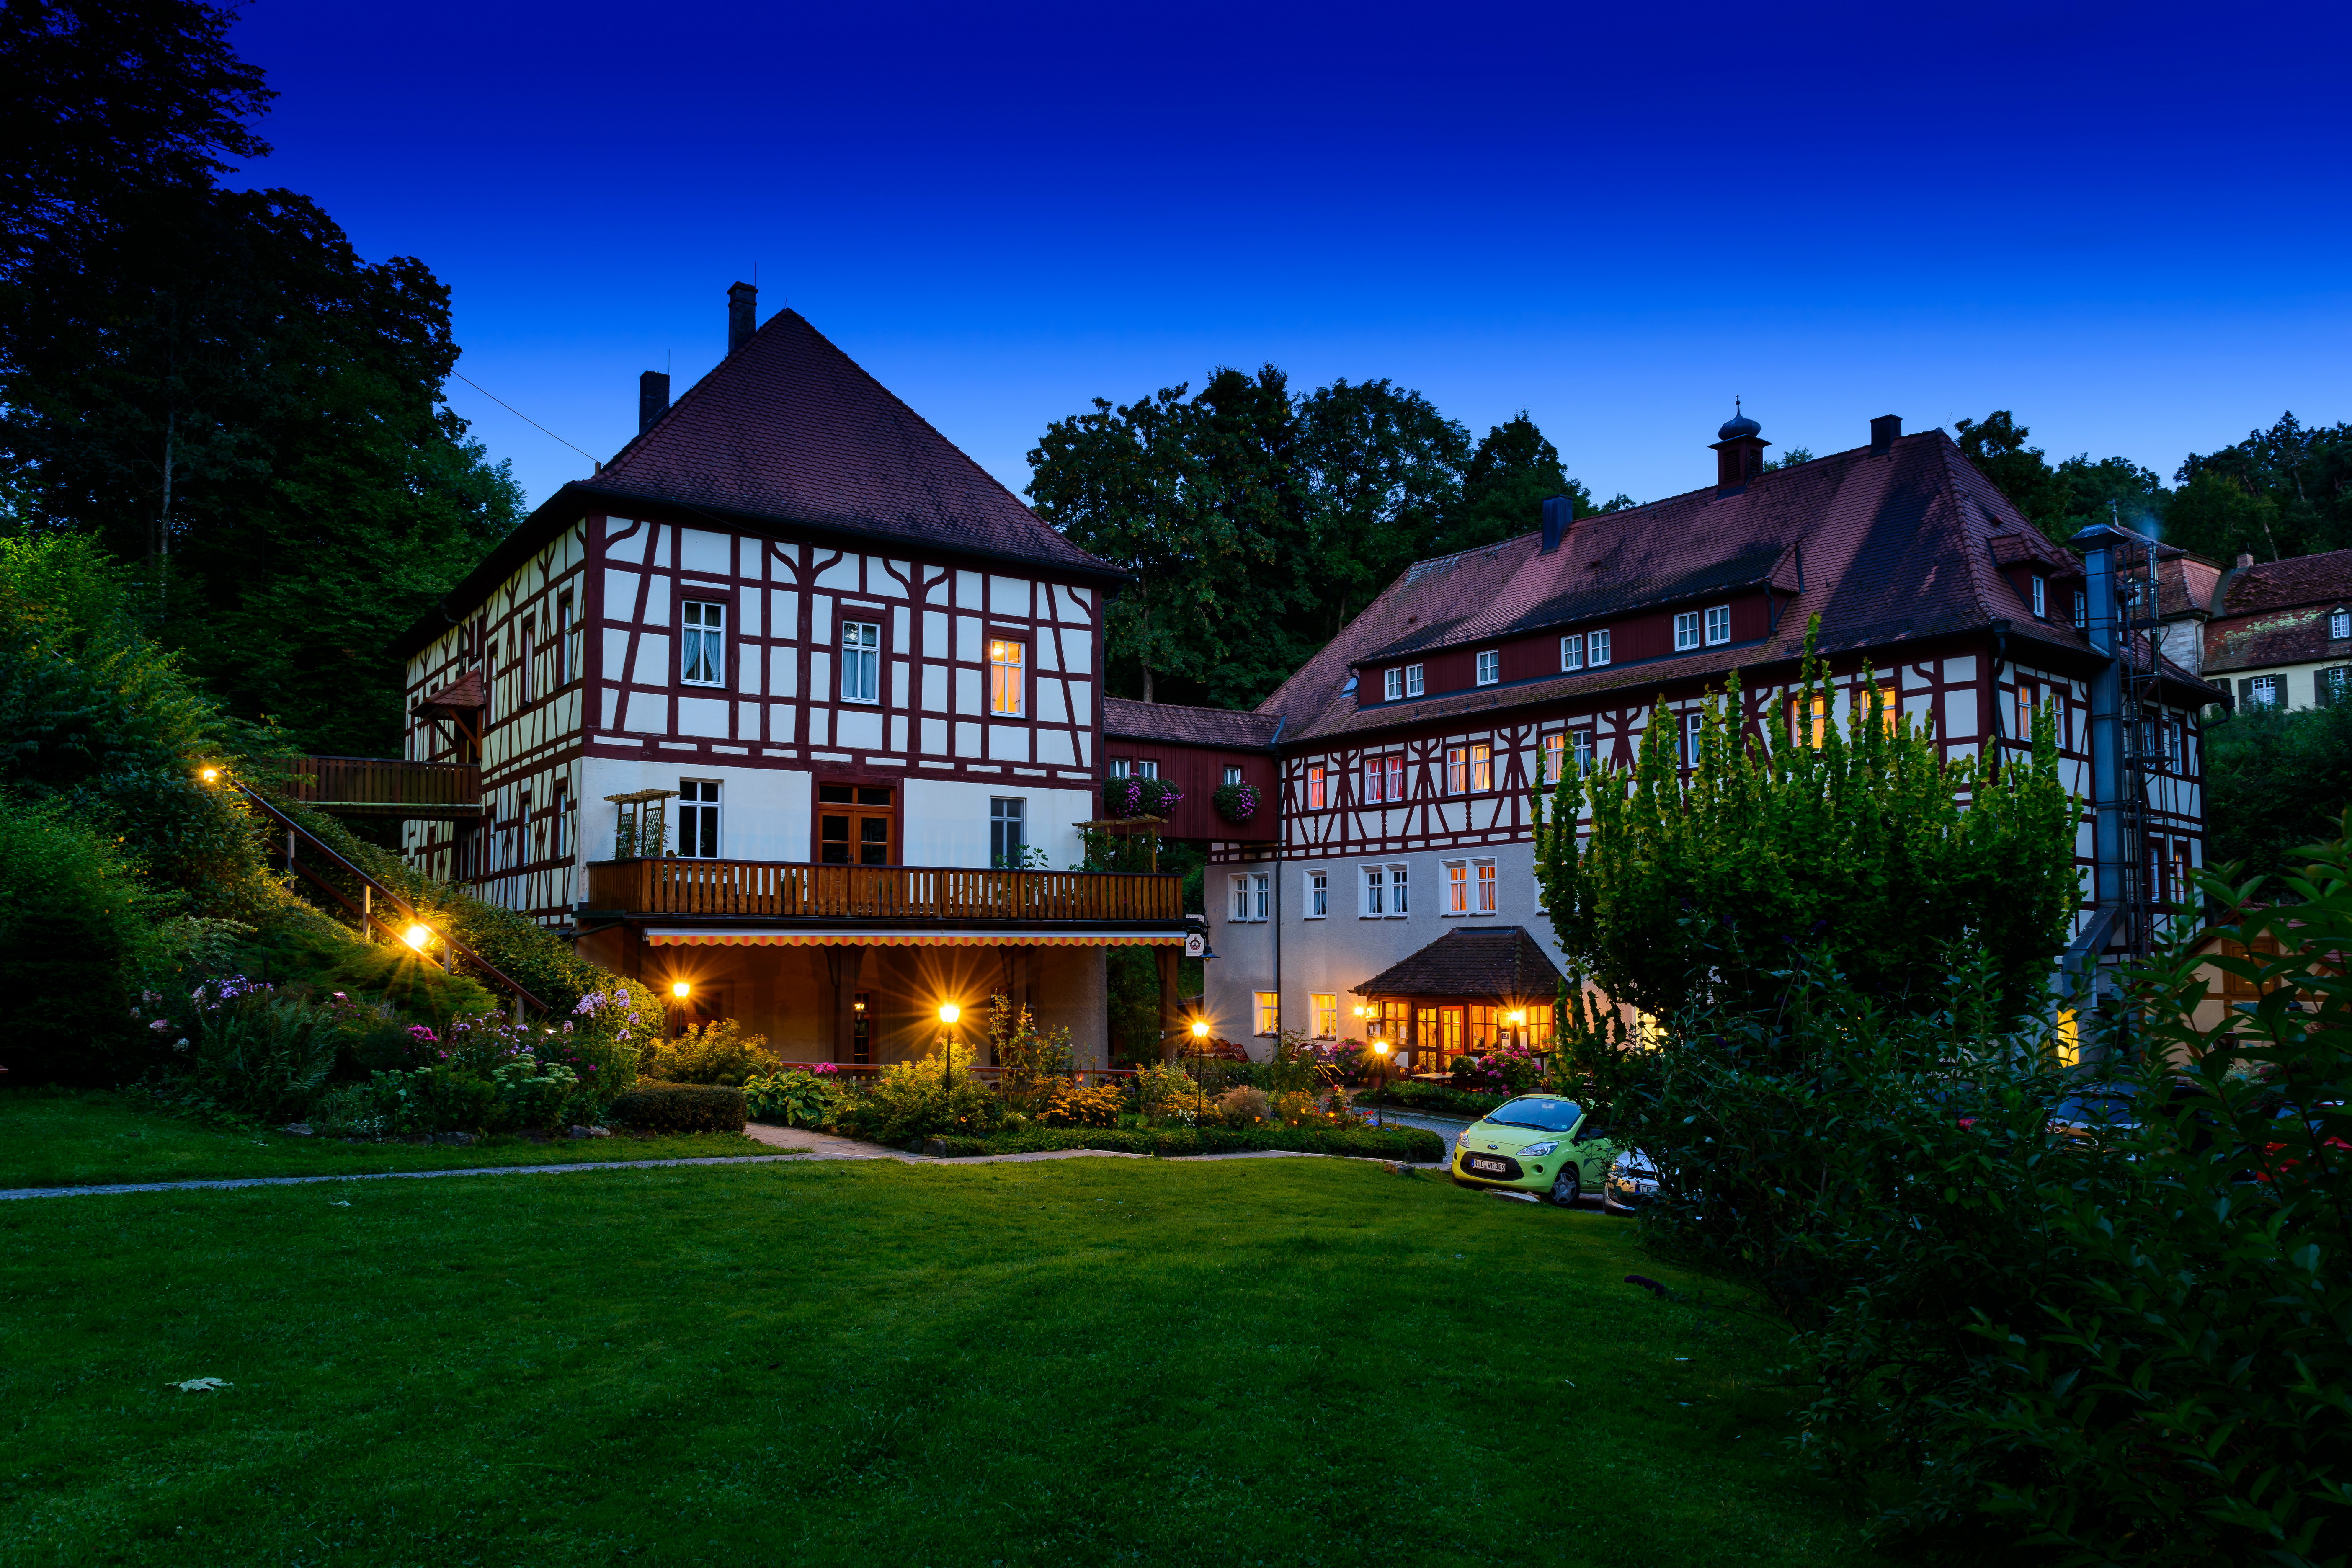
point(60, 1138)
point(1085, 1362)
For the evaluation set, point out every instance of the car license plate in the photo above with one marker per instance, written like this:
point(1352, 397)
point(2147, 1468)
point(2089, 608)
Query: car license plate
point(1478, 1162)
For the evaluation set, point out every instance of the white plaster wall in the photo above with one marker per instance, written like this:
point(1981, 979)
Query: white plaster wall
point(763, 813)
point(947, 823)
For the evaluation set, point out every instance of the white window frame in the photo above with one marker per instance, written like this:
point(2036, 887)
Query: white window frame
point(1318, 786)
point(2041, 597)
point(1147, 768)
point(2266, 692)
point(861, 661)
point(1572, 651)
point(1693, 722)
point(1372, 893)
point(1324, 1006)
point(1260, 895)
point(1238, 911)
point(1490, 665)
point(1454, 889)
point(1718, 625)
point(1232, 775)
point(1413, 683)
point(1318, 895)
point(1392, 684)
point(1008, 675)
point(1686, 630)
point(2082, 609)
point(1482, 767)
point(1596, 647)
point(1553, 759)
point(1119, 767)
point(1580, 746)
point(2339, 624)
point(1457, 769)
point(1266, 1012)
point(1488, 894)
point(702, 643)
point(1399, 907)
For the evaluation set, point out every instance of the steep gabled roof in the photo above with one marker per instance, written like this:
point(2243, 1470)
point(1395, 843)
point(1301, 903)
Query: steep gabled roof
point(1224, 727)
point(1501, 962)
point(791, 433)
point(1889, 546)
point(2323, 579)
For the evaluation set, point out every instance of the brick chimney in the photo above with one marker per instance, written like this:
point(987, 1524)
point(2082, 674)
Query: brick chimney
point(1738, 450)
point(1884, 431)
point(1558, 511)
point(742, 313)
point(653, 399)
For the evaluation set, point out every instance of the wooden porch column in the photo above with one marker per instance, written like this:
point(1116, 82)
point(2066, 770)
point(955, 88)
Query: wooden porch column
point(1171, 1026)
point(844, 963)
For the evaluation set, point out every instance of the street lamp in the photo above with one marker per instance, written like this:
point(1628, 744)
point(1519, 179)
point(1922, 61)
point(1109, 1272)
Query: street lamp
point(679, 991)
point(210, 775)
point(417, 937)
point(949, 1014)
point(1379, 1078)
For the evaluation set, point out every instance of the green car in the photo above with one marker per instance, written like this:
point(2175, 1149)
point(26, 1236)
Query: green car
point(1535, 1144)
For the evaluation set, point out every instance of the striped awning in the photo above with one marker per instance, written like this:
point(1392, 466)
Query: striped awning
point(720, 937)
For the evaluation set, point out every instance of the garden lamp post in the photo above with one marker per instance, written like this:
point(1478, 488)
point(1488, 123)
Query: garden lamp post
point(679, 991)
point(949, 1014)
point(1379, 1078)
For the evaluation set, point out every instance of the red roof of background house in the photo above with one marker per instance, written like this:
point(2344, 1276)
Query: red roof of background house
point(1892, 547)
point(2297, 580)
point(1224, 728)
point(2277, 612)
point(790, 430)
point(1501, 962)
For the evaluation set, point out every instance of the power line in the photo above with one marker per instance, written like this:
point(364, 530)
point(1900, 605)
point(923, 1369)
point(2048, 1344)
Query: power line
point(526, 418)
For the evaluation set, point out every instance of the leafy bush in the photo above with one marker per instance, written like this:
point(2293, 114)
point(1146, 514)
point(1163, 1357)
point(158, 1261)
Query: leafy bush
point(1413, 1143)
point(1069, 1106)
point(74, 929)
point(926, 1098)
point(716, 1052)
point(1165, 1092)
point(257, 1053)
point(1034, 1066)
point(680, 1108)
point(1244, 1107)
point(1445, 1098)
point(1236, 803)
point(795, 1097)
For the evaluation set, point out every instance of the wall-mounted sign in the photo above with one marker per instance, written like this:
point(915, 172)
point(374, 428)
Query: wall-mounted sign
point(1196, 945)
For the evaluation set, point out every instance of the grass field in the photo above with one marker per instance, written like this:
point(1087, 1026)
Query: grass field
point(1086, 1362)
point(58, 1137)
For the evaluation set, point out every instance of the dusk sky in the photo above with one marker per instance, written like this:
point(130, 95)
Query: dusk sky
point(2127, 222)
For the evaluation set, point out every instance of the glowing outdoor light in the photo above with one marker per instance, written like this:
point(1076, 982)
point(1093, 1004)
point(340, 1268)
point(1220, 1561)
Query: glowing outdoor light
point(417, 937)
point(1199, 1028)
point(949, 1012)
point(209, 776)
point(681, 990)
point(1517, 1019)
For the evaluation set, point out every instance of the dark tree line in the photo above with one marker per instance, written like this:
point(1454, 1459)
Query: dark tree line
point(212, 382)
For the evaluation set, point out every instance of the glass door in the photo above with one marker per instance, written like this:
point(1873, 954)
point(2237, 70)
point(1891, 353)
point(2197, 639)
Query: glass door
point(855, 825)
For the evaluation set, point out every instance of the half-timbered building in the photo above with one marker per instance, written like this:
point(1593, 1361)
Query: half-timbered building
point(1407, 747)
point(780, 704)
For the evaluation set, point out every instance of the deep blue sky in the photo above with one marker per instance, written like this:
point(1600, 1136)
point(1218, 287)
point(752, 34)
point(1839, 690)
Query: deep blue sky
point(2127, 221)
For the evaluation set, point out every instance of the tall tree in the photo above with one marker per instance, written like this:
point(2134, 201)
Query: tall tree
point(1996, 445)
point(1383, 468)
point(2286, 491)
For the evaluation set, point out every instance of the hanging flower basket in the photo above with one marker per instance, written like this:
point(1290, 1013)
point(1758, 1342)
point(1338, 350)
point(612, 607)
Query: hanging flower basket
point(1236, 803)
point(1139, 797)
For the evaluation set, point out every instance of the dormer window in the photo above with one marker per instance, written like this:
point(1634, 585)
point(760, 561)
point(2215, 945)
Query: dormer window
point(1686, 631)
point(1393, 685)
point(2339, 623)
point(2040, 598)
point(1490, 666)
point(1596, 648)
point(1718, 625)
point(1572, 651)
point(1412, 680)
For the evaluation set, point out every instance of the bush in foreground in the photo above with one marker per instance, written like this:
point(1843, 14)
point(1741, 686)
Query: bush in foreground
point(680, 1108)
point(1413, 1143)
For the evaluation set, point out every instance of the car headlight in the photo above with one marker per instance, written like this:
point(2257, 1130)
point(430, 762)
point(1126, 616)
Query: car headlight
point(1532, 1149)
point(1462, 1138)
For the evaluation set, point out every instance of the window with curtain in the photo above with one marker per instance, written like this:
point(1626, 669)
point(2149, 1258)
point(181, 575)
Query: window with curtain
point(703, 643)
point(1007, 683)
point(1315, 787)
point(1269, 1012)
point(861, 661)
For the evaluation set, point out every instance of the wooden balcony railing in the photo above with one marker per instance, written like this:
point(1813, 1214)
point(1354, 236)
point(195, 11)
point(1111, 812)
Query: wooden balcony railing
point(784, 890)
point(387, 786)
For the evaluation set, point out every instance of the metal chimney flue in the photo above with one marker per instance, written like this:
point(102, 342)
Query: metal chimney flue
point(653, 399)
point(1558, 511)
point(742, 315)
point(1884, 431)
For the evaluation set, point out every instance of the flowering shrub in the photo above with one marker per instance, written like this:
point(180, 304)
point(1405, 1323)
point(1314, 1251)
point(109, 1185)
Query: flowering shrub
point(1139, 797)
point(1507, 1069)
point(1236, 803)
point(257, 1052)
point(1066, 1105)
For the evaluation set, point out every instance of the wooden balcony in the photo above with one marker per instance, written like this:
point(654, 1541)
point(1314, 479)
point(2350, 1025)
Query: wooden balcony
point(894, 895)
point(387, 786)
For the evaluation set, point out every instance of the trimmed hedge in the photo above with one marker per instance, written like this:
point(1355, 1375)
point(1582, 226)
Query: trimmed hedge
point(679, 1108)
point(1415, 1143)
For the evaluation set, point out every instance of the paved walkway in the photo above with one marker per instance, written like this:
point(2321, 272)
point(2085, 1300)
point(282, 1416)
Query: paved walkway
point(798, 1147)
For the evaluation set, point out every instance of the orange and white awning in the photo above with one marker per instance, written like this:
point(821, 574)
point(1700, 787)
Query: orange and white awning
point(720, 936)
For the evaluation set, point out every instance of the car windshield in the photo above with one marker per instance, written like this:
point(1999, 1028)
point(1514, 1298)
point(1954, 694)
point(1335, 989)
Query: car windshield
point(1537, 1110)
point(2097, 1108)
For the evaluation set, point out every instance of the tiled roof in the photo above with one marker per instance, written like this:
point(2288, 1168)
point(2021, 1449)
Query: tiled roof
point(2280, 637)
point(2323, 579)
point(790, 428)
point(1501, 962)
point(1891, 547)
point(1172, 723)
point(466, 692)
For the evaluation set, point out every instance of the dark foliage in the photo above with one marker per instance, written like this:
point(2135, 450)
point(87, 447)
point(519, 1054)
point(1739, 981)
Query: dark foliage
point(2275, 781)
point(679, 1108)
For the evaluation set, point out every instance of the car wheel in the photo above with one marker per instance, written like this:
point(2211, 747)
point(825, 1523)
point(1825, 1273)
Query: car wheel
point(1566, 1189)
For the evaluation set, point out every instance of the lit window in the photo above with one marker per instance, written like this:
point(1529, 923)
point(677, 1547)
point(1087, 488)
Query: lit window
point(702, 644)
point(1686, 630)
point(1553, 762)
point(1315, 790)
point(2339, 624)
point(1269, 1012)
point(1375, 892)
point(1572, 651)
point(1718, 625)
point(1007, 689)
point(1396, 778)
point(1232, 775)
point(1372, 795)
point(1004, 837)
point(1393, 685)
point(2041, 599)
point(1809, 726)
point(1482, 767)
point(1889, 710)
point(1596, 648)
point(861, 661)
point(1490, 666)
point(1458, 888)
point(698, 819)
point(1318, 895)
point(1487, 887)
point(1584, 739)
point(1457, 769)
point(1327, 1014)
point(1412, 680)
point(2026, 702)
